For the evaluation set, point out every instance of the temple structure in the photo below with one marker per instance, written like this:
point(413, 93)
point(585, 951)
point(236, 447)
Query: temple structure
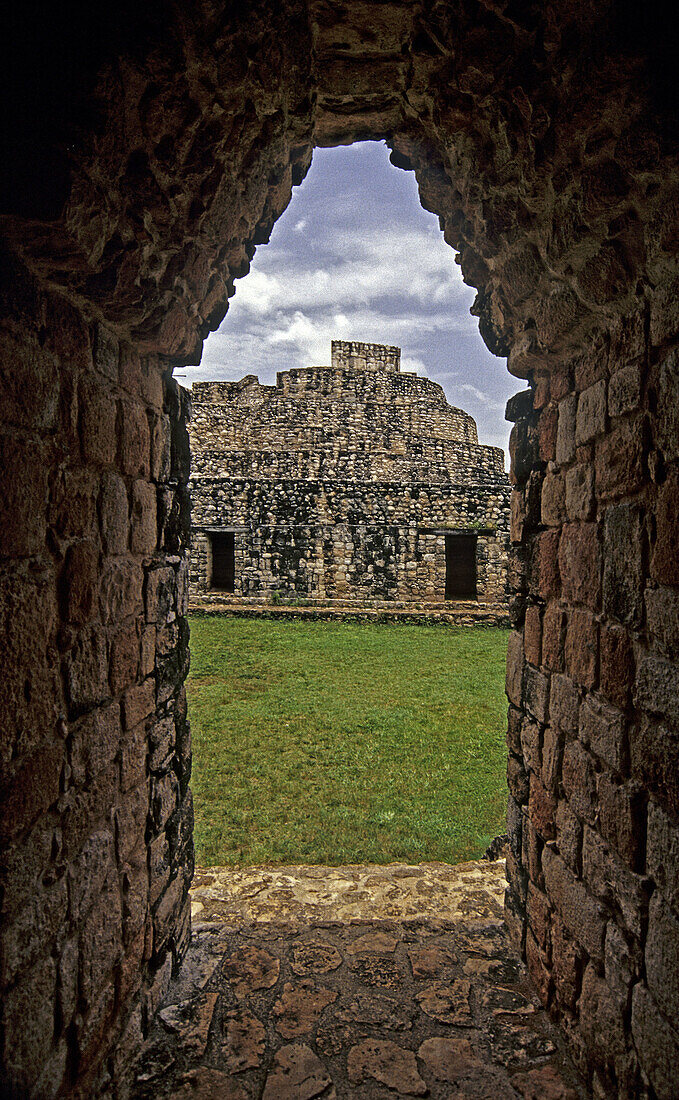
point(355, 483)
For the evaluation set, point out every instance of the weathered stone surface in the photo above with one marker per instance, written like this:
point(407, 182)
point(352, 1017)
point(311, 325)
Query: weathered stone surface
point(315, 958)
point(251, 968)
point(657, 1043)
point(244, 1040)
point(386, 1062)
point(299, 1008)
point(447, 1003)
point(297, 1072)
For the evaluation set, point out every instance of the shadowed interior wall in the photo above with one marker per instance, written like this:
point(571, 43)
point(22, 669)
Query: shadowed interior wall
point(543, 139)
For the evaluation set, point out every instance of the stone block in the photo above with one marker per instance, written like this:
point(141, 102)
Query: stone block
point(581, 914)
point(28, 1027)
point(161, 450)
point(654, 760)
point(622, 819)
point(547, 428)
point(120, 589)
point(130, 817)
point(580, 564)
point(87, 809)
point(32, 786)
point(662, 956)
point(623, 564)
point(607, 877)
point(553, 508)
point(616, 665)
point(152, 388)
point(23, 497)
point(538, 969)
point(624, 390)
point(579, 485)
point(139, 703)
point(662, 615)
point(165, 799)
point(515, 666)
point(662, 852)
point(532, 634)
point(32, 929)
point(667, 415)
point(73, 504)
point(566, 965)
point(619, 460)
point(143, 519)
point(134, 440)
point(569, 836)
point(87, 670)
point(101, 942)
point(542, 809)
point(124, 660)
point(657, 689)
point(579, 781)
point(591, 415)
point(30, 383)
point(601, 1019)
point(582, 638)
point(545, 572)
point(135, 887)
point(665, 558)
point(565, 435)
point(115, 514)
point(514, 719)
point(602, 729)
point(536, 693)
point(517, 779)
point(160, 594)
point(656, 1042)
point(106, 353)
point(129, 369)
point(564, 704)
point(531, 851)
point(133, 755)
point(98, 413)
point(530, 745)
point(166, 911)
point(159, 866)
point(79, 583)
point(30, 684)
point(621, 967)
point(552, 753)
point(92, 867)
point(553, 636)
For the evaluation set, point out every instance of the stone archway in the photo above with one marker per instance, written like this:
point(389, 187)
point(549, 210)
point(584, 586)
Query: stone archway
point(542, 139)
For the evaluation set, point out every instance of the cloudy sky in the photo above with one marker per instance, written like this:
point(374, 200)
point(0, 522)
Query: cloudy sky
point(355, 257)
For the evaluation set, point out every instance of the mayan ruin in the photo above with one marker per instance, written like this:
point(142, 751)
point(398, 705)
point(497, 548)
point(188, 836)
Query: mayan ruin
point(149, 151)
point(353, 483)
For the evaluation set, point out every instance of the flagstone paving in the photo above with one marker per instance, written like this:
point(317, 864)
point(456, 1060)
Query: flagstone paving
point(367, 982)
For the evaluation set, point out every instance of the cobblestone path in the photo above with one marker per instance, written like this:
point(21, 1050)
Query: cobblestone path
point(368, 982)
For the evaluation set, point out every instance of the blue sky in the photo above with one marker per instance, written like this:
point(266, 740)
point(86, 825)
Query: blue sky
point(355, 257)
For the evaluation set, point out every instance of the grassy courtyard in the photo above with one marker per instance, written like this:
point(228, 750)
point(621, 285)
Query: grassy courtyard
point(319, 742)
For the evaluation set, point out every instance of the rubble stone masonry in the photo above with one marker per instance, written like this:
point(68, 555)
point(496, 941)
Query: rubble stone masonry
point(340, 483)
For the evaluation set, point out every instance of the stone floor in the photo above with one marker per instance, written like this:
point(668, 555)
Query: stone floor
point(369, 982)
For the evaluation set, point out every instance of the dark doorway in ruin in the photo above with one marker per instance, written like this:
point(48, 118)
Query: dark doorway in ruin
point(223, 573)
point(461, 567)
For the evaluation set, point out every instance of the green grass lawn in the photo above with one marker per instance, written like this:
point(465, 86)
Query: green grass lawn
point(321, 742)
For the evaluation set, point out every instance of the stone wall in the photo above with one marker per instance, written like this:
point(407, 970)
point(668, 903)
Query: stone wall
point(340, 482)
point(147, 152)
point(95, 811)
